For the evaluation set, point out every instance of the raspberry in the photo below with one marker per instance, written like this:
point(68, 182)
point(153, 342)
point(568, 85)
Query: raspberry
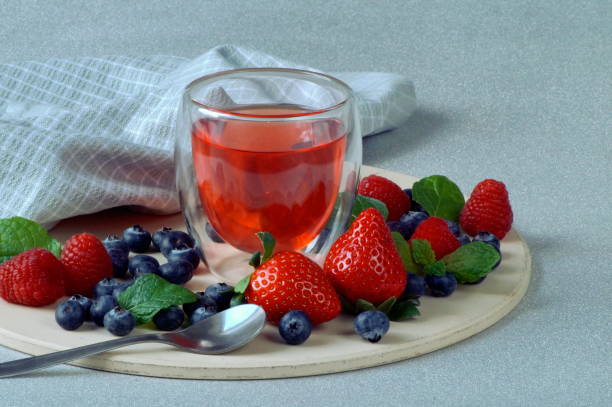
point(86, 262)
point(34, 278)
point(487, 210)
point(435, 231)
point(388, 192)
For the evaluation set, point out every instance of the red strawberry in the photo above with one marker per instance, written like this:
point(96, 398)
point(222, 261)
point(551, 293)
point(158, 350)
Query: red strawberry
point(388, 192)
point(487, 210)
point(291, 281)
point(435, 231)
point(86, 262)
point(364, 263)
point(34, 278)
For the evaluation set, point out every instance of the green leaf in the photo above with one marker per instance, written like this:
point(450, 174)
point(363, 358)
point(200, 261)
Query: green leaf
point(268, 243)
point(19, 234)
point(363, 305)
point(149, 294)
point(404, 310)
point(387, 305)
point(403, 248)
point(437, 268)
point(255, 260)
point(422, 252)
point(439, 196)
point(471, 262)
point(242, 285)
point(364, 202)
point(237, 299)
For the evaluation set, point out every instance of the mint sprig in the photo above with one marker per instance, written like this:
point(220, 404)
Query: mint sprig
point(470, 262)
point(150, 294)
point(422, 252)
point(439, 196)
point(403, 248)
point(19, 234)
point(404, 310)
point(437, 268)
point(364, 202)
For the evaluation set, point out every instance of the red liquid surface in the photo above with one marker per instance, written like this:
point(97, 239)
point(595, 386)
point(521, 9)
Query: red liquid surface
point(278, 177)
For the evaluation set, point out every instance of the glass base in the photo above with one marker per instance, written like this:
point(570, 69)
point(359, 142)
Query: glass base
point(227, 263)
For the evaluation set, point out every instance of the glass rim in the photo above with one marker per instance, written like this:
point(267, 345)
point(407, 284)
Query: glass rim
point(341, 84)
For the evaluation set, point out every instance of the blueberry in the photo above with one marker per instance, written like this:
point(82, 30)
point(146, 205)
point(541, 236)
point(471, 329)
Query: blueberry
point(106, 286)
point(464, 239)
point(441, 286)
point(169, 319)
point(158, 237)
point(453, 227)
point(115, 242)
point(414, 205)
point(69, 315)
point(371, 325)
point(142, 264)
point(295, 327)
point(176, 272)
point(480, 280)
point(119, 321)
point(397, 226)
point(184, 253)
point(85, 303)
point(488, 238)
point(410, 221)
point(212, 233)
point(174, 239)
point(200, 314)
point(202, 301)
point(120, 262)
point(415, 287)
point(221, 294)
point(121, 288)
point(137, 238)
point(100, 307)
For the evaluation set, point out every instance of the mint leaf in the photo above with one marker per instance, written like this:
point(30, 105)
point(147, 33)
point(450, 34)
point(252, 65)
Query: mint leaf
point(471, 262)
point(242, 285)
point(439, 196)
point(19, 234)
point(437, 268)
point(364, 202)
point(387, 305)
point(150, 294)
point(422, 252)
point(404, 310)
point(363, 305)
point(403, 248)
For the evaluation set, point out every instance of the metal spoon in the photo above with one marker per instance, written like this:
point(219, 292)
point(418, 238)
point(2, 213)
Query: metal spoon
point(220, 333)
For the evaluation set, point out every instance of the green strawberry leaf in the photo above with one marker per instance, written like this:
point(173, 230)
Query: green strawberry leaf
point(471, 262)
point(255, 260)
point(404, 310)
point(19, 234)
point(242, 285)
point(237, 299)
point(363, 305)
point(150, 294)
point(439, 196)
point(387, 305)
point(364, 202)
point(422, 252)
point(403, 248)
point(437, 268)
point(268, 243)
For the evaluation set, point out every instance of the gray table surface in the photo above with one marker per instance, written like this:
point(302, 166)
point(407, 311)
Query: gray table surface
point(519, 91)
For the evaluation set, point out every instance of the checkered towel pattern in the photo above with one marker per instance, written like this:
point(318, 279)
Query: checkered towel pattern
point(81, 135)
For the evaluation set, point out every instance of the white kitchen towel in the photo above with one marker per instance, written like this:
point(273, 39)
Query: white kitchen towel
point(81, 135)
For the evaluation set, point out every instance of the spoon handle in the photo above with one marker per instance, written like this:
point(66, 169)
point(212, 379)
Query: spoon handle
point(33, 363)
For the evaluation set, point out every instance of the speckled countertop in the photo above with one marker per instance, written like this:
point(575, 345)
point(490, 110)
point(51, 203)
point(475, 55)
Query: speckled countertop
point(520, 91)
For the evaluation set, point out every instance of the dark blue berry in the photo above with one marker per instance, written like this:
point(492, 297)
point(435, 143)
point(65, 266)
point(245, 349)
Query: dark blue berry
point(158, 237)
point(414, 205)
point(464, 239)
point(100, 307)
point(119, 321)
point(106, 286)
point(114, 242)
point(221, 294)
point(488, 238)
point(441, 286)
point(410, 221)
point(401, 228)
point(121, 288)
point(200, 314)
point(186, 254)
point(137, 238)
point(371, 325)
point(85, 303)
point(173, 239)
point(480, 280)
point(176, 272)
point(415, 286)
point(295, 327)
point(120, 262)
point(169, 319)
point(212, 233)
point(453, 227)
point(69, 315)
point(142, 264)
point(203, 301)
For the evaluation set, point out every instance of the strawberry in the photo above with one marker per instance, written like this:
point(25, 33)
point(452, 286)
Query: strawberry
point(289, 281)
point(364, 263)
point(86, 262)
point(436, 232)
point(34, 278)
point(387, 191)
point(487, 210)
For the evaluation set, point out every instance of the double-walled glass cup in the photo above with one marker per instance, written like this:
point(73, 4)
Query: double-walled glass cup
point(266, 150)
